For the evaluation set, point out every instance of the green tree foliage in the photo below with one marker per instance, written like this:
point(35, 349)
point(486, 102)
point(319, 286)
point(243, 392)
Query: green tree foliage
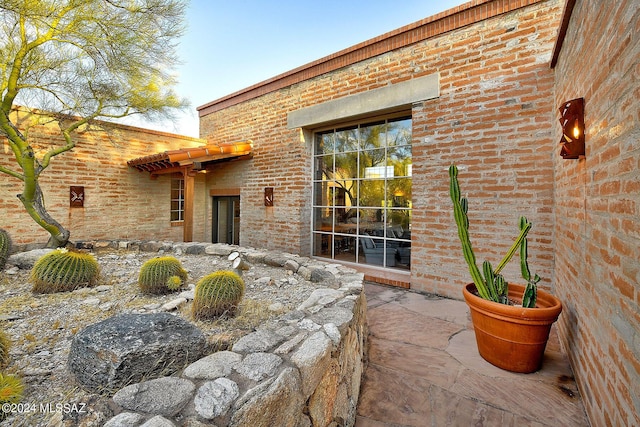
point(81, 61)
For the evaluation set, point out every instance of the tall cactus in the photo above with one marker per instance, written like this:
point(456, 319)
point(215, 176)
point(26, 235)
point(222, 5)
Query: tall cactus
point(5, 247)
point(490, 283)
point(217, 294)
point(530, 295)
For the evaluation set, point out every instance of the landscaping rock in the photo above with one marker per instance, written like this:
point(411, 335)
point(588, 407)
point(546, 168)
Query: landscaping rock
point(173, 304)
point(131, 347)
point(26, 260)
point(279, 404)
point(195, 248)
point(163, 396)
point(215, 398)
point(220, 249)
point(214, 366)
point(125, 419)
point(322, 296)
point(312, 358)
point(320, 275)
point(258, 366)
point(291, 265)
point(158, 421)
point(257, 341)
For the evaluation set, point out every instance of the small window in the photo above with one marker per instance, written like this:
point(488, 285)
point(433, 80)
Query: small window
point(177, 199)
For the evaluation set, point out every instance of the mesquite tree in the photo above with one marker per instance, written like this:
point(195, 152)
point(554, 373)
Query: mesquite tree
point(77, 62)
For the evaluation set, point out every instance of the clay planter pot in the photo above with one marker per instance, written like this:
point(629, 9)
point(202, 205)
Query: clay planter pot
point(510, 337)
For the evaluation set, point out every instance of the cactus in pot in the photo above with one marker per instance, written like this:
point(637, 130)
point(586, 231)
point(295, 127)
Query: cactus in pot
point(217, 294)
point(64, 270)
point(489, 283)
point(5, 247)
point(161, 275)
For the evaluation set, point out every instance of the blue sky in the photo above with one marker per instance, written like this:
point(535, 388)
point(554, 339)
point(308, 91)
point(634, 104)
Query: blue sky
point(233, 44)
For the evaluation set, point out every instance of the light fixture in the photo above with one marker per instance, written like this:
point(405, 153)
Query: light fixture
point(572, 121)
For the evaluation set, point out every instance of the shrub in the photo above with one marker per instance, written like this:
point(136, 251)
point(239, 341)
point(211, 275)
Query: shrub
point(64, 270)
point(218, 294)
point(161, 275)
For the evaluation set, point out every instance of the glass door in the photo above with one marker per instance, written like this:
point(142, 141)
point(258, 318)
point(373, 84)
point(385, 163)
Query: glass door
point(226, 220)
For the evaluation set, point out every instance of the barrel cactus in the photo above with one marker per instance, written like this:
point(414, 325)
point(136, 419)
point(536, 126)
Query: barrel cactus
point(64, 270)
point(5, 247)
point(490, 284)
point(5, 344)
point(218, 294)
point(11, 389)
point(161, 275)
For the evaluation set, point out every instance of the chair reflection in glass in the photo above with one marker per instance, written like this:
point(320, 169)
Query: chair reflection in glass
point(402, 245)
point(375, 252)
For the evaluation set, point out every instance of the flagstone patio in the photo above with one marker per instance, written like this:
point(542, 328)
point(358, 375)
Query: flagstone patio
point(424, 370)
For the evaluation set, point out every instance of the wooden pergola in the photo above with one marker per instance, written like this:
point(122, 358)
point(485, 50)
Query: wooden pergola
point(188, 162)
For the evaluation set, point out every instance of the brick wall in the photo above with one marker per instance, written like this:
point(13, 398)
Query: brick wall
point(282, 160)
point(597, 209)
point(493, 118)
point(120, 202)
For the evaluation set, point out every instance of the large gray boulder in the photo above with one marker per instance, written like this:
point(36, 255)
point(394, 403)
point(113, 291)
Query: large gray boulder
point(129, 348)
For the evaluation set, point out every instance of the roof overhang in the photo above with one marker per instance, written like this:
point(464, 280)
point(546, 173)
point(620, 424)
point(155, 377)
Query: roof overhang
point(195, 158)
point(562, 31)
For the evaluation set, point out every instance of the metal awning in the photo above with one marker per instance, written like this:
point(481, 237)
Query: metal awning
point(195, 157)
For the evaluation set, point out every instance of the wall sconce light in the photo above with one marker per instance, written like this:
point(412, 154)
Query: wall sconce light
point(572, 121)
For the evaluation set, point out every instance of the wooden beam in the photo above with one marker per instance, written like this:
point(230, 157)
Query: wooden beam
point(189, 184)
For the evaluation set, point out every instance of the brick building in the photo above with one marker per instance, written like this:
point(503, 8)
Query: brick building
point(118, 201)
point(346, 159)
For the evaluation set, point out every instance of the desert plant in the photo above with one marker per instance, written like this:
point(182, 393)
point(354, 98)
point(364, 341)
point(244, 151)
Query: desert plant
point(217, 294)
point(11, 389)
point(490, 284)
point(64, 270)
point(5, 247)
point(161, 275)
point(5, 344)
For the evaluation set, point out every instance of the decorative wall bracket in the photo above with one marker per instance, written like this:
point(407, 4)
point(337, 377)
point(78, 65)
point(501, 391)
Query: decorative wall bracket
point(268, 196)
point(572, 121)
point(76, 196)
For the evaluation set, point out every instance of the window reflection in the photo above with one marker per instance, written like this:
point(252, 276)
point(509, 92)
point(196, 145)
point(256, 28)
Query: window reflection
point(362, 193)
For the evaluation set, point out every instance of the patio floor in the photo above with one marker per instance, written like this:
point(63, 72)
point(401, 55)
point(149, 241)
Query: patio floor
point(424, 370)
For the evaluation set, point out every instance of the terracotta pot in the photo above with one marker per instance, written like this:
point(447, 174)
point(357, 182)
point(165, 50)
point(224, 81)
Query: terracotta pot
point(510, 337)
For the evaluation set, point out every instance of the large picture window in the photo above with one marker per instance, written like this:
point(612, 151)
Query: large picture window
point(362, 193)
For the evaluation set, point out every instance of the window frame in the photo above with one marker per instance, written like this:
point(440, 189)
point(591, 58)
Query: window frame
point(331, 208)
point(179, 219)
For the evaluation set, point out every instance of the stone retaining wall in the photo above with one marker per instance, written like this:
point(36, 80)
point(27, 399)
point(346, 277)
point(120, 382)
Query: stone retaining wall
point(302, 369)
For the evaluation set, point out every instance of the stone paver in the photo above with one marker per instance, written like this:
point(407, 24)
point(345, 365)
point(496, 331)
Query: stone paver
point(424, 370)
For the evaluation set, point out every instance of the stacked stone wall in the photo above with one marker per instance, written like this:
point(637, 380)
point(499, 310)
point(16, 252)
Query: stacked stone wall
point(303, 368)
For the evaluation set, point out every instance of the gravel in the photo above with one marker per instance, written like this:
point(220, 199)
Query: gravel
point(41, 327)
